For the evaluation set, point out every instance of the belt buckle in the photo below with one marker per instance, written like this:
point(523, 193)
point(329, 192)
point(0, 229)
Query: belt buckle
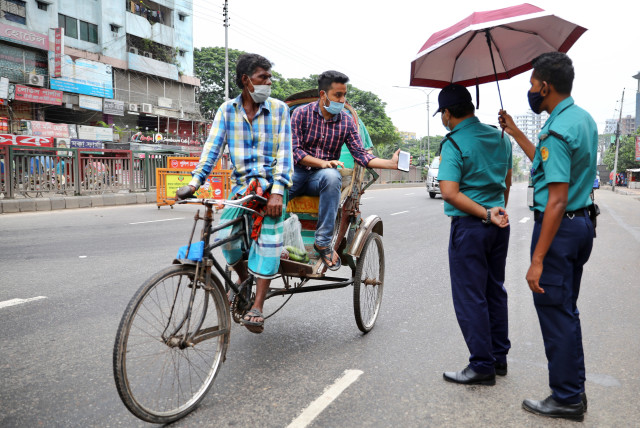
point(571, 215)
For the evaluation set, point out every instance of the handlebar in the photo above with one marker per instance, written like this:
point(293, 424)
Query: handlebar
point(238, 203)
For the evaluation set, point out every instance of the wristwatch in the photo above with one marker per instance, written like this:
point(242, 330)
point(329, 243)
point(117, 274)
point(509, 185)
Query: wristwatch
point(488, 219)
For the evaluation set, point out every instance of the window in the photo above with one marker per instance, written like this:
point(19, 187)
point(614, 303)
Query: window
point(42, 5)
point(88, 32)
point(69, 24)
point(14, 11)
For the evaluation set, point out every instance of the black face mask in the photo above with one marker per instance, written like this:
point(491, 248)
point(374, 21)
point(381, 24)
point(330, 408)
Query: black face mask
point(535, 101)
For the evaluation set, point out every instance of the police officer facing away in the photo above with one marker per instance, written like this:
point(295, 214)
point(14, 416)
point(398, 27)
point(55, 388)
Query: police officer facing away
point(475, 178)
point(564, 167)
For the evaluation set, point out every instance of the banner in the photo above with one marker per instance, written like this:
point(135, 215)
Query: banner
point(90, 103)
point(48, 129)
point(83, 76)
point(58, 51)
point(25, 140)
point(213, 188)
point(113, 107)
point(95, 133)
point(86, 144)
point(637, 147)
point(36, 95)
point(24, 36)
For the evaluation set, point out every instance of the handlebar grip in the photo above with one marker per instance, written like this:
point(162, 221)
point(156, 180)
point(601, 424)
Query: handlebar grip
point(185, 192)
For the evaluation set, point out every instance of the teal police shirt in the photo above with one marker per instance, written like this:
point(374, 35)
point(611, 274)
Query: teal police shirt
point(480, 166)
point(570, 161)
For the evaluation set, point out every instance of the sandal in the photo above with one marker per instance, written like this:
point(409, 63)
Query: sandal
point(253, 326)
point(326, 254)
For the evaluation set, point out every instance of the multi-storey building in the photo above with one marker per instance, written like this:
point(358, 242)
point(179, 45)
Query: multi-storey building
point(531, 124)
point(627, 125)
point(126, 64)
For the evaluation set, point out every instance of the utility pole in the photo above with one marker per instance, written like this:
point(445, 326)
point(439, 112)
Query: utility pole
point(615, 162)
point(225, 12)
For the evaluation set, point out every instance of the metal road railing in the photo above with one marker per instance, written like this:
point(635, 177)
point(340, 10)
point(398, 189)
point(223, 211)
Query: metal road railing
point(27, 172)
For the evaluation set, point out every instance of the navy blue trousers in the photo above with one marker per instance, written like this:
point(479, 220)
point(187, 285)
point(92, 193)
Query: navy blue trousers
point(557, 307)
point(477, 259)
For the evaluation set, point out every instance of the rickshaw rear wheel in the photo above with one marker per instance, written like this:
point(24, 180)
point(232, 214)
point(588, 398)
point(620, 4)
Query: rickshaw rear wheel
point(368, 283)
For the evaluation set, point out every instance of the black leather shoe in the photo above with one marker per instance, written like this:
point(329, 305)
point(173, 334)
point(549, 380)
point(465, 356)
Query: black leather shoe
point(501, 368)
point(469, 377)
point(583, 397)
point(552, 409)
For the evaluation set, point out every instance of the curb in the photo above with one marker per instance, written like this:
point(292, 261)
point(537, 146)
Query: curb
point(11, 206)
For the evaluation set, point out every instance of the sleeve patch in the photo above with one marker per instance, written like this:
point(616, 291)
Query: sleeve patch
point(545, 153)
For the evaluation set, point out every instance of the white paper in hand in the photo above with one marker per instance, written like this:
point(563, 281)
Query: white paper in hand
point(403, 161)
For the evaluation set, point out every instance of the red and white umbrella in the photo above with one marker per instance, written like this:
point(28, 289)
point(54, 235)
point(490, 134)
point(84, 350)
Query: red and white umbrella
point(492, 45)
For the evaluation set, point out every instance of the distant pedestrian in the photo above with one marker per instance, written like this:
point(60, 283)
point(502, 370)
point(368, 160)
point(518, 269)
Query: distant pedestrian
point(475, 178)
point(564, 168)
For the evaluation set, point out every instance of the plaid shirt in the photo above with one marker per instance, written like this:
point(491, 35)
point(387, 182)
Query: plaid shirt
point(260, 149)
point(323, 139)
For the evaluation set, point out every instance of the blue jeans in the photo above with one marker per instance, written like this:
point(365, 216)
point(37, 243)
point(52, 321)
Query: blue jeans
point(327, 184)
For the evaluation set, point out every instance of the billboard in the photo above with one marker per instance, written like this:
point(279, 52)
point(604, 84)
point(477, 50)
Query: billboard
point(48, 129)
point(25, 140)
point(24, 36)
point(83, 76)
point(95, 133)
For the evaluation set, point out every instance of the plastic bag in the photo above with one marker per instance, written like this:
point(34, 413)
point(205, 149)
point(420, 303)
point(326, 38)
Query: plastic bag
point(292, 237)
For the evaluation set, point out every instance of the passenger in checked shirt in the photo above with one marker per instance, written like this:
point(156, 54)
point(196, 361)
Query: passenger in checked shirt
point(318, 131)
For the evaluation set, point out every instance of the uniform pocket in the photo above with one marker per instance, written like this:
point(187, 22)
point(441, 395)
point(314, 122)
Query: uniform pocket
point(554, 291)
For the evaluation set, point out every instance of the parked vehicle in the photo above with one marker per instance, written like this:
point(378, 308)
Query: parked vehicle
point(433, 187)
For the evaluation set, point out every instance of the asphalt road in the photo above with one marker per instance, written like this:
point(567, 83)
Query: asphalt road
point(81, 267)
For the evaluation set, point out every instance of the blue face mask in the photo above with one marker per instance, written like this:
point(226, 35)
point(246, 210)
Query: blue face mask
point(535, 101)
point(333, 107)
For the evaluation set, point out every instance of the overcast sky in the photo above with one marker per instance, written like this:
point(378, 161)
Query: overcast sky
point(374, 42)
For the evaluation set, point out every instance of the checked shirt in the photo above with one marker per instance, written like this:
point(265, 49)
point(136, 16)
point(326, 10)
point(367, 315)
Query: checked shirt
point(323, 139)
point(258, 150)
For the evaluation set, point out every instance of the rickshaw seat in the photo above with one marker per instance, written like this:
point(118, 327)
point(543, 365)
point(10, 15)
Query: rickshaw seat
point(309, 204)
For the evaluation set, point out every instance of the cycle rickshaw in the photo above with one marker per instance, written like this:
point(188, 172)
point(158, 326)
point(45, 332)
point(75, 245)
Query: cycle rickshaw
point(173, 336)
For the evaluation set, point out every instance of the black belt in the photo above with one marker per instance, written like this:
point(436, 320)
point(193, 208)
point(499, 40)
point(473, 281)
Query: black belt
point(582, 212)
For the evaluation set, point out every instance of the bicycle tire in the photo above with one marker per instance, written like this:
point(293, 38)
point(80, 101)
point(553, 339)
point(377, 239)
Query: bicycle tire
point(368, 283)
point(158, 380)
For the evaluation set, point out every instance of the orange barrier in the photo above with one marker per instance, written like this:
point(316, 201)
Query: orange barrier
point(168, 180)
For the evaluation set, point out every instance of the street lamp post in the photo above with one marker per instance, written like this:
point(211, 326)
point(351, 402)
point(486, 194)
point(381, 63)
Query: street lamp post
point(428, 121)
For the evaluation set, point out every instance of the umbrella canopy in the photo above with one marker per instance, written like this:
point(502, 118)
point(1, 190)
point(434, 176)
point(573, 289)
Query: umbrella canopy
point(492, 45)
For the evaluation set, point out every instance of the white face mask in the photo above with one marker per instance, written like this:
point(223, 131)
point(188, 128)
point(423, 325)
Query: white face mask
point(260, 93)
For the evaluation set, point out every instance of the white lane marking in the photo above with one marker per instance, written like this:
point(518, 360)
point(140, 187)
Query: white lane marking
point(399, 212)
point(82, 257)
point(408, 194)
point(14, 302)
point(524, 219)
point(156, 221)
point(322, 402)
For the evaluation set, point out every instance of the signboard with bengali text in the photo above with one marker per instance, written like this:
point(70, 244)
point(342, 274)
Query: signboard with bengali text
point(637, 147)
point(83, 76)
point(48, 129)
point(37, 95)
point(25, 140)
point(24, 36)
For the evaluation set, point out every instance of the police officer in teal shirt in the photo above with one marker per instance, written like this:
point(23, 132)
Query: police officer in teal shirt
point(564, 167)
point(475, 177)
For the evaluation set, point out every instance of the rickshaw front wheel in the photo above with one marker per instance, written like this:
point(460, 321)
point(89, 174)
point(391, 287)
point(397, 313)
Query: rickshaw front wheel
point(368, 283)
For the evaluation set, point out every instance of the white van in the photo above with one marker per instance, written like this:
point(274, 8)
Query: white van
point(432, 178)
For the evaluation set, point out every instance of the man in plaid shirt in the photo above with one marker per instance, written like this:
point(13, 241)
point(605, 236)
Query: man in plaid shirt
point(319, 130)
point(257, 130)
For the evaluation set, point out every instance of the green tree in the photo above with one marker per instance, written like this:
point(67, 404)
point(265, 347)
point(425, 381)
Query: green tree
point(208, 66)
point(626, 153)
point(371, 111)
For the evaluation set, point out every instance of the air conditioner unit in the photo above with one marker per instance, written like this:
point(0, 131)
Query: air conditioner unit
point(148, 55)
point(133, 50)
point(147, 108)
point(133, 107)
point(36, 80)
